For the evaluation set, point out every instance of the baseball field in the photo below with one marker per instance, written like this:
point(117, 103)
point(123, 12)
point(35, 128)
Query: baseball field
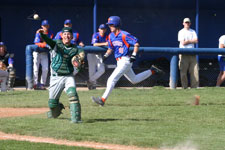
point(156, 118)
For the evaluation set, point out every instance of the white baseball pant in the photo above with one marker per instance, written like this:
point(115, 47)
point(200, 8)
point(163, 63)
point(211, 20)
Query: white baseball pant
point(3, 80)
point(40, 58)
point(95, 67)
point(60, 83)
point(124, 67)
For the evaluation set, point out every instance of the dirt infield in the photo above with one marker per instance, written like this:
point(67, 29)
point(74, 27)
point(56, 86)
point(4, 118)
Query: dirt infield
point(4, 136)
point(14, 112)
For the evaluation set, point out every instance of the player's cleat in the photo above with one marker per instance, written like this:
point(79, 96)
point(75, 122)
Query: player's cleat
point(97, 100)
point(91, 86)
point(55, 112)
point(156, 70)
point(35, 87)
point(41, 87)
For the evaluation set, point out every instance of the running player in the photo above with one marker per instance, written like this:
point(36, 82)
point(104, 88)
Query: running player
point(119, 42)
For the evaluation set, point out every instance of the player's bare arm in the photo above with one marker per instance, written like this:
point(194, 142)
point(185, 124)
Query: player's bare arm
point(40, 30)
point(108, 52)
point(101, 44)
point(106, 55)
point(81, 44)
point(221, 46)
point(185, 42)
point(133, 56)
point(136, 48)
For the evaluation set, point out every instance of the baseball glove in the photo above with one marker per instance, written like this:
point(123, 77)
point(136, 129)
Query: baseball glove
point(76, 61)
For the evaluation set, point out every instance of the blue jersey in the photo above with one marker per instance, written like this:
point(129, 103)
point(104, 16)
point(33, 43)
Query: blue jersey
point(76, 39)
point(38, 40)
point(97, 38)
point(121, 42)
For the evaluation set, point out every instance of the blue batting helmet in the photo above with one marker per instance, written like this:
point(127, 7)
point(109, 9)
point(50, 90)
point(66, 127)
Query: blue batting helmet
point(114, 20)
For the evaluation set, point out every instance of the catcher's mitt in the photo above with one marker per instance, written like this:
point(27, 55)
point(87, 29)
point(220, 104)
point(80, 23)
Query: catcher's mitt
point(76, 61)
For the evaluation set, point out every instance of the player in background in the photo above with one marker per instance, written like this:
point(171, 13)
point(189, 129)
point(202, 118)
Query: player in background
point(119, 42)
point(62, 51)
point(7, 68)
point(40, 56)
point(188, 63)
point(95, 64)
point(76, 36)
point(221, 59)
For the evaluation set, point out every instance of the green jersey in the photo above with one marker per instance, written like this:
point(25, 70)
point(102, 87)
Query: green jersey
point(61, 56)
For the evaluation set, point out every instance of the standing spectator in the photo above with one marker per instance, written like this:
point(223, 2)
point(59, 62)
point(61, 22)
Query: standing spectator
point(76, 36)
point(6, 60)
point(3, 77)
point(119, 42)
point(95, 65)
point(188, 63)
point(40, 56)
point(221, 59)
point(62, 51)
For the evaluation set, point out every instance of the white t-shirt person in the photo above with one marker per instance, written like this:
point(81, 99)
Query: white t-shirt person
point(186, 34)
point(222, 43)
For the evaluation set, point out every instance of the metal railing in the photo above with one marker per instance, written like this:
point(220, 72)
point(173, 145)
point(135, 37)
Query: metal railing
point(174, 52)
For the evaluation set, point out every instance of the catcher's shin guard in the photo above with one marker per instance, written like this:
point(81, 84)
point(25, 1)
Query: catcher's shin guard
point(75, 110)
point(55, 108)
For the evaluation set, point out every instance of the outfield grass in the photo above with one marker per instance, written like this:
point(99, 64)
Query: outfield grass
point(155, 117)
point(21, 145)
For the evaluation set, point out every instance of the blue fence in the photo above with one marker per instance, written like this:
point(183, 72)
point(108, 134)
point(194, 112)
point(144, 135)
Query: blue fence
point(174, 52)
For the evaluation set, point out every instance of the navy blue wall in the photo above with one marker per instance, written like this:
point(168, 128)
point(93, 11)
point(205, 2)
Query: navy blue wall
point(154, 27)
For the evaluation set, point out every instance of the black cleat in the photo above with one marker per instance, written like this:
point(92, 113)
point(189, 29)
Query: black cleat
point(97, 100)
point(91, 86)
point(157, 70)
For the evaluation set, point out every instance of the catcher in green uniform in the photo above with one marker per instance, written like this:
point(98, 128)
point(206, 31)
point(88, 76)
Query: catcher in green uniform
point(64, 56)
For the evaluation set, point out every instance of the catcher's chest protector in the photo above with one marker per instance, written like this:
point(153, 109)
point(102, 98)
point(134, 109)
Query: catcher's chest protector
point(61, 58)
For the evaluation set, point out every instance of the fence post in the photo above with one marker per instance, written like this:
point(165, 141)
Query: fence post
point(173, 71)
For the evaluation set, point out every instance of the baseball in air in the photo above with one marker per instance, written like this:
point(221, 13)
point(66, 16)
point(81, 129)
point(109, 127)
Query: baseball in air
point(36, 16)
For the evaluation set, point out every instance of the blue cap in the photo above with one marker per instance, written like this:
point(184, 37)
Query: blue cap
point(44, 22)
point(1, 43)
point(67, 21)
point(102, 26)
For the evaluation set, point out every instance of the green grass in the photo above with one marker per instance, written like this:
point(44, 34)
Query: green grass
point(143, 117)
point(21, 145)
